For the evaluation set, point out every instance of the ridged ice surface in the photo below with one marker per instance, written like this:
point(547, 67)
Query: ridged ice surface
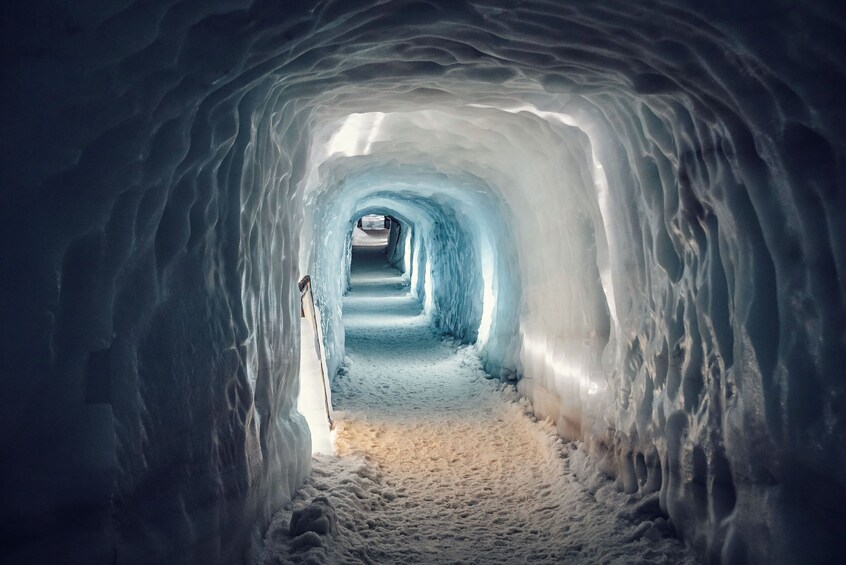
point(652, 192)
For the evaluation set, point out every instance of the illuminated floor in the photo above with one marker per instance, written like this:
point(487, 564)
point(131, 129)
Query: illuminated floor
point(438, 464)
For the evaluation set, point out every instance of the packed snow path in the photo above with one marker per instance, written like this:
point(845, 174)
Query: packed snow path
point(438, 464)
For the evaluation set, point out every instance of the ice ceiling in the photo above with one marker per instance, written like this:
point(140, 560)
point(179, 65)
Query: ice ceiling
point(637, 208)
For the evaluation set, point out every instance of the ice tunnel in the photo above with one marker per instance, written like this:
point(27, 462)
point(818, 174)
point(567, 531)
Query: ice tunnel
point(634, 210)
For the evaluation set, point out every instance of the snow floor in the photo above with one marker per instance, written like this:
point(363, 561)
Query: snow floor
point(438, 464)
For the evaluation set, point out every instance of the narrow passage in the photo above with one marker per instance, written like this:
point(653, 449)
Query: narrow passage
point(439, 464)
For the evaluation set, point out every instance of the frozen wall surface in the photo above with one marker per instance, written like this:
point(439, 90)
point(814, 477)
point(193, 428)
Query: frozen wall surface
point(636, 208)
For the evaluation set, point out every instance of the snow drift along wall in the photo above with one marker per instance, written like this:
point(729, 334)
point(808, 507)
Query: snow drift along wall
point(658, 213)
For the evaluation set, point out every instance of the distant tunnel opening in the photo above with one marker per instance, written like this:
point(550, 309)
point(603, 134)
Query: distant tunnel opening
point(371, 254)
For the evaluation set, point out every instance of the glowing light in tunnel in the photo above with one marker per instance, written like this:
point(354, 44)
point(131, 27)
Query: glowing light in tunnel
point(600, 182)
point(311, 402)
point(406, 263)
point(356, 134)
point(428, 288)
point(489, 299)
point(415, 273)
point(541, 353)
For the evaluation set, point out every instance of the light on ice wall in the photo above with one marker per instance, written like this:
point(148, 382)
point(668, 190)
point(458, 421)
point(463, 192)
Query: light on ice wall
point(415, 273)
point(356, 135)
point(489, 296)
point(313, 401)
point(429, 289)
point(407, 254)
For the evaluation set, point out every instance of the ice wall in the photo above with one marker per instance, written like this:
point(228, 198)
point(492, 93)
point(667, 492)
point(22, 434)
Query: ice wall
point(667, 175)
point(149, 287)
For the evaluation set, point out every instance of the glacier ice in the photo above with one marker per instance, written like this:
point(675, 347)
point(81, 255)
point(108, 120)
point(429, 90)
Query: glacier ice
point(636, 209)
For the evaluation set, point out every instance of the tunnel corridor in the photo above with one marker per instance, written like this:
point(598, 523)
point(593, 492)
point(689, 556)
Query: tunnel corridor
point(438, 462)
point(620, 225)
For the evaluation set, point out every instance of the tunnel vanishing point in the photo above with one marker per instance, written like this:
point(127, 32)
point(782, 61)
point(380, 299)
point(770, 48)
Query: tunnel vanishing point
point(635, 210)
